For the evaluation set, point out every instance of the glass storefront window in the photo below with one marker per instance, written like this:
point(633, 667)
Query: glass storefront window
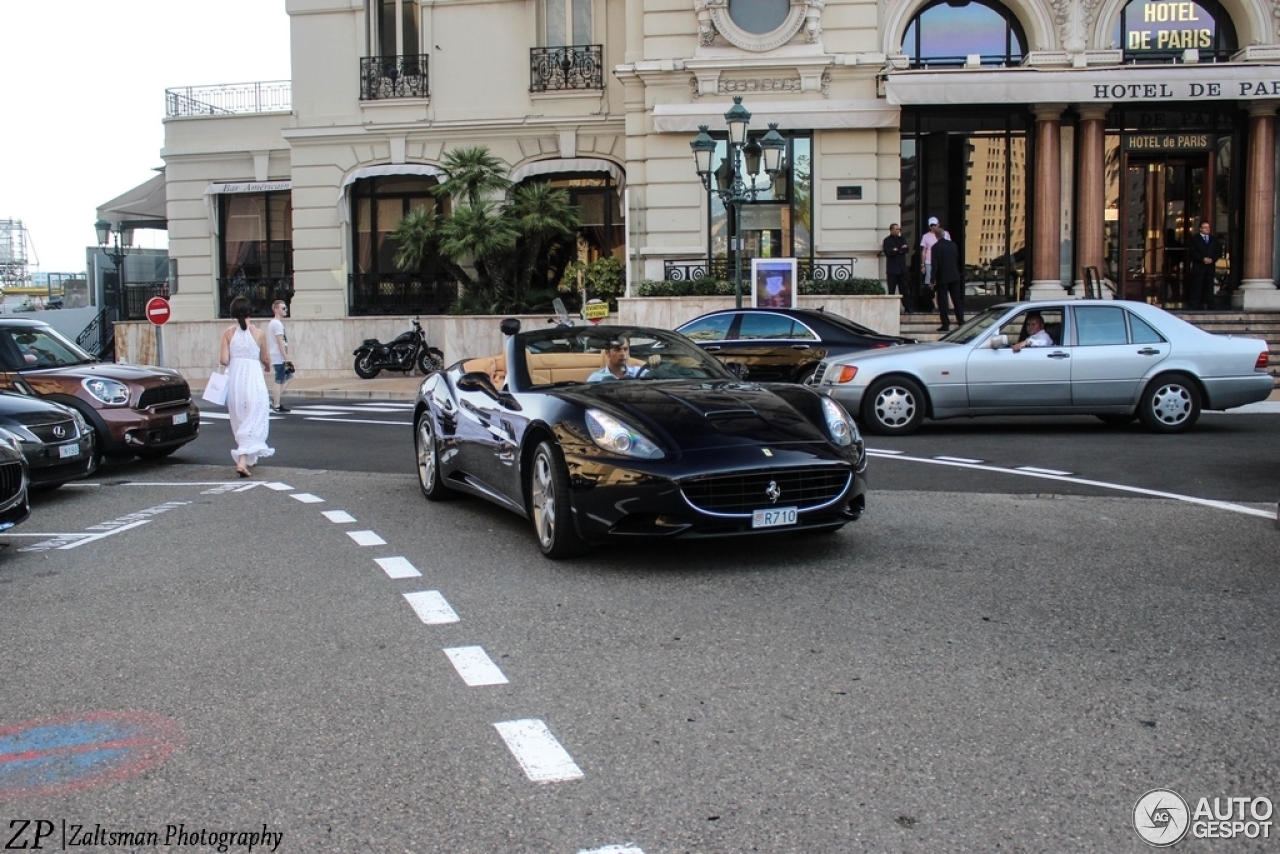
point(257, 233)
point(378, 205)
point(1161, 30)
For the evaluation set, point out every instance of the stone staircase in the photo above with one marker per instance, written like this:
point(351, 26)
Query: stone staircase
point(1262, 325)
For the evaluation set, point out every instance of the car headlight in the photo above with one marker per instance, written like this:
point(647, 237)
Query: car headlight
point(619, 437)
point(82, 424)
point(110, 392)
point(9, 440)
point(839, 425)
point(837, 374)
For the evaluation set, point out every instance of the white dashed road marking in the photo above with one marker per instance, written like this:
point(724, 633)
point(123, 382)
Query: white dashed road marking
point(366, 538)
point(957, 460)
point(1137, 490)
point(397, 567)
point(431, 607)
point(475, 666)
point(356, 420)
point(1035, 470)
point(307, 498)
point(613, 849)
point(539, 754)
point(339, 516)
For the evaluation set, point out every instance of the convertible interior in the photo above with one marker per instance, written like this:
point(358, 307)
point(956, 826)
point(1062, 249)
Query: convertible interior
point(544, 368)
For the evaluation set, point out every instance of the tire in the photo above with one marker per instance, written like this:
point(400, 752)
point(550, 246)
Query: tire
point(893, 407)
point(430, 360)
point(549, 504)
point(424, 443)
point(1116, 420)
point(1170, 404)
point(155, 453)
point(364, 366)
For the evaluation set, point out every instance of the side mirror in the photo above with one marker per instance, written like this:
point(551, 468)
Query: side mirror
point(483, 383)
point(995, 342)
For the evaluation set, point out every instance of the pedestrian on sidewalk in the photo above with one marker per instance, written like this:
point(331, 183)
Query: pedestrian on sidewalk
point(947, 281)
point(895, 261)
point(278, 345)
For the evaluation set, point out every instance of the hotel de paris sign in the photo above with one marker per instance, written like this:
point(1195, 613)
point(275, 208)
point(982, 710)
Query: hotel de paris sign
point(1209, 82)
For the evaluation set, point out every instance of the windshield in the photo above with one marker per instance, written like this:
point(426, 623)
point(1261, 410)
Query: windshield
point(976, 326)
point(25, 347)
point(591, 354)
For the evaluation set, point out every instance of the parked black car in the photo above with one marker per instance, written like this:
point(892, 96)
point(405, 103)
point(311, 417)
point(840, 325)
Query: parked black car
point(679, 448)
point(56, 440)
point(14, 504)
point(782, 344)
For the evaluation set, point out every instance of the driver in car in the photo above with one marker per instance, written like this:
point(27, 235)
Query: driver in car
point(617, 366)
point(1036, 334)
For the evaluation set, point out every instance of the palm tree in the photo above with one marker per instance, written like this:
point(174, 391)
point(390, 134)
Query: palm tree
point(472, 174)
point(546, 222)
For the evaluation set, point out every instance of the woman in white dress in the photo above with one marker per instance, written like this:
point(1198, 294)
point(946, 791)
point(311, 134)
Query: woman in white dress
point(244, 352)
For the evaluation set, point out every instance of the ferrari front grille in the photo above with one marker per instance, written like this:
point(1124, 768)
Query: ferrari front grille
point(744, 492)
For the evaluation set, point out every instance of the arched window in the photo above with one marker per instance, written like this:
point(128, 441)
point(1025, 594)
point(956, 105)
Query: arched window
point(759, 16)
point(946, 32)
point(1163, 30)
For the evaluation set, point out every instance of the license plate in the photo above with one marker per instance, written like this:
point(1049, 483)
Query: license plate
point(72, 450)
point(180, 418)
point(773, 518)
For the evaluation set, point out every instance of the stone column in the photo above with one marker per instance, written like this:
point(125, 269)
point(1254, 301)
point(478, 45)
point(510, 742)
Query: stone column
point(1091, 211)
point(1257, 288)
point(1046, 275)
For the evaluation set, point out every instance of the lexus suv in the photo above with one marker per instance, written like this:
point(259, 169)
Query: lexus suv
point(133, 409)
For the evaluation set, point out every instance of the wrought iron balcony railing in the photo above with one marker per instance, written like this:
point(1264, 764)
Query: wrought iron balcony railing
point(399, 293)
point(579, 66)
point(383, 77)
point(261, 291)
point(810, 269)
point(229, 99)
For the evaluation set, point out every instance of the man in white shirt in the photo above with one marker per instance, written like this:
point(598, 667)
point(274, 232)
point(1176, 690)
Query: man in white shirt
point(278, 349)
point(617, 352)
point(1036, 334)
point(927, 240)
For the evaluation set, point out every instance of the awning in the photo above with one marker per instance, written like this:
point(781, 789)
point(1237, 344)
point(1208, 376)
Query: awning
point(1207, 82)
point(141, 207)
point(223, 188)
point(573, 164)
point(381, 170)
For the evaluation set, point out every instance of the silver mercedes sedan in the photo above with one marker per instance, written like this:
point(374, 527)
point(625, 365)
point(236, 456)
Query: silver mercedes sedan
point(1117, 360)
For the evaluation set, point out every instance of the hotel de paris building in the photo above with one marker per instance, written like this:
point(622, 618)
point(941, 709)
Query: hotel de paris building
point(1055, 139)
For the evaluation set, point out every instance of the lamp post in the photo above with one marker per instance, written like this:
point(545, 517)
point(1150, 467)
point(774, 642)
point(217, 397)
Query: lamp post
point(733, 185)
point(115, 244)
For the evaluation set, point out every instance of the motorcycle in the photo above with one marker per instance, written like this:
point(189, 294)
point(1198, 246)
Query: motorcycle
point(407, 351)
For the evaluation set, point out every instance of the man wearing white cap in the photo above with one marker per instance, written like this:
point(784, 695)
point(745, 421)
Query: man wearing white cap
point(927, 240)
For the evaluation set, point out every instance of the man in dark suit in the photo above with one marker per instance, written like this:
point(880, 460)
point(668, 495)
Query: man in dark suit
point(895, 261)
point(1202, 258)
point(947, 280)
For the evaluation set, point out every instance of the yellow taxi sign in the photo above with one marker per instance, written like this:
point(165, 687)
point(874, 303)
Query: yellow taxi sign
point(595, 311)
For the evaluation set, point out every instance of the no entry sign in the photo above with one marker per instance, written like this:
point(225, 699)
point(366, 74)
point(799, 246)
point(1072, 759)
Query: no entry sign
point(158, 310)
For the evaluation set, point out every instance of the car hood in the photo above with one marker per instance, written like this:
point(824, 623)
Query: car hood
point(698, 415)
point(143, 374)
point(31, 410)
point(908, 351)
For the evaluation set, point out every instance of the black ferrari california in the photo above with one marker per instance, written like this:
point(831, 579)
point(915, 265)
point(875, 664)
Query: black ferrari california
point(599, 433)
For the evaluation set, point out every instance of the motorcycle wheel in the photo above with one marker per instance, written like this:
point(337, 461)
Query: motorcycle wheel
point(364, 366)
point(430, 360)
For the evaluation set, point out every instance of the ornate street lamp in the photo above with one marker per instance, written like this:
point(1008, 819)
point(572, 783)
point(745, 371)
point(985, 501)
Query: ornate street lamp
point(732, 185)
point(115, 244)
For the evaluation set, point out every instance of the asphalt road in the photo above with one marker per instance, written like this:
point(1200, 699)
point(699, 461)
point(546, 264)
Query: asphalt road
point(968, 667)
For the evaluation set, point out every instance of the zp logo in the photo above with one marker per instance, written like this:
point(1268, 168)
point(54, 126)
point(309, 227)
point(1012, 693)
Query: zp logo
point(1161, 817)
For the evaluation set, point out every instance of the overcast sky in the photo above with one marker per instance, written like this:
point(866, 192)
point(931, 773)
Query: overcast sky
point(83, 95)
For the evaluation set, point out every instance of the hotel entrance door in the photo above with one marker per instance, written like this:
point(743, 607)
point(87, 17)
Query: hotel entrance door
point(1164, 200)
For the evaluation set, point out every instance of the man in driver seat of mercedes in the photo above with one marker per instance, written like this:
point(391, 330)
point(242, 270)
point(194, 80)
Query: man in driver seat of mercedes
point(617, 352)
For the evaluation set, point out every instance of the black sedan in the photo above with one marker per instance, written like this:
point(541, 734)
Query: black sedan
point(782, 344)
point(56, 440)
point(677, 447)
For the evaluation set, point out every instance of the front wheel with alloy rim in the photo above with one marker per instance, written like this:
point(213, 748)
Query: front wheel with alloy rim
point(893, 407)
point(429, 459)
point(549, 504)
point(1170, 404)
